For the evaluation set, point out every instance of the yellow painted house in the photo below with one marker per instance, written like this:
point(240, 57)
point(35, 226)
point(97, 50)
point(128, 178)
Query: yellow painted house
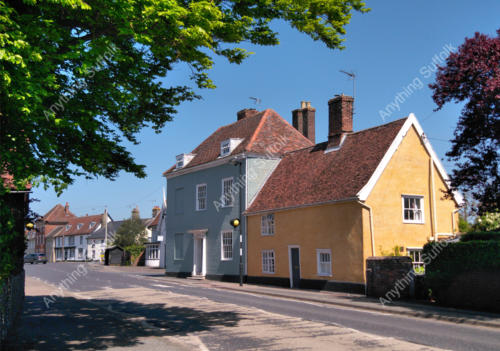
point(325, 209)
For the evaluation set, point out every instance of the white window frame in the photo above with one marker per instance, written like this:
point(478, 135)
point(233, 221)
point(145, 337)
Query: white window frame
point(223, 196)
point(81, 239)
point(267, 224)
point(222, 246)
point(422, 216)
point(265, 261)
point(198, 186)
point(318, 262)
point(71, 240)
point(78, 226)
point(225, 147)
point(416, 264)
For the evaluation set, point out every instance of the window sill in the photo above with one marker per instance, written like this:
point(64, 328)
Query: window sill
point(226, 259)
point(412, 222)
point(268, 272)
point(324, 275)
point(267, 235)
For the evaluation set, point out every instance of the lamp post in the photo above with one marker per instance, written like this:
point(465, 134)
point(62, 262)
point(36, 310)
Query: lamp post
point(236, 223)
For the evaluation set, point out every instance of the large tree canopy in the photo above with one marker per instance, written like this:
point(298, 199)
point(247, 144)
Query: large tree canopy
point(472, 75)
point(79, 77)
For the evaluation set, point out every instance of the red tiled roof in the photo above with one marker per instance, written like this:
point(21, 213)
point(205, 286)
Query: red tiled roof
point(8, 183)
point(266, 132)
point(58, 214)
point(310, 175)
point(84, 228)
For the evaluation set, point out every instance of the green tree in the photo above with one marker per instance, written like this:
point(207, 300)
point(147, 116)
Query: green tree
point(79, 78)
point(131, 232)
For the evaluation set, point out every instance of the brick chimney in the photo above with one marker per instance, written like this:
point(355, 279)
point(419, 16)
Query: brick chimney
point(340, 110)
point(66, 208)
point(156, 210)
point(246, 112)
point(303, 119)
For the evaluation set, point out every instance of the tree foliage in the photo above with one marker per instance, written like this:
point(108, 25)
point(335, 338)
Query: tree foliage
point(472, 75)
point(78, 78)
point(131, 232)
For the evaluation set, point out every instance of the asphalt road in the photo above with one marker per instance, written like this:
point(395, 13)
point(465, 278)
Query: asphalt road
point(420, 331)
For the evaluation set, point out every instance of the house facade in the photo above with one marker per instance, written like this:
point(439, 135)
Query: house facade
point(70, 242)
point(155, 251)
point(96, 241)
point(327, 208)
point(214, 184)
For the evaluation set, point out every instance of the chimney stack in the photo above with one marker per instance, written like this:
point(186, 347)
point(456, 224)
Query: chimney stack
point(303, 119)
point(66, 208)
point(340, 110)
point(246, 112)
point(156, 210)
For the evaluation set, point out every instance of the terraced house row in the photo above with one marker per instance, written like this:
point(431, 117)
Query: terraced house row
point(311, 213)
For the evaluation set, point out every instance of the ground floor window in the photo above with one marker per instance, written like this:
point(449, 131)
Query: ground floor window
point(227, 245)
point(416, 257)
point(59, 254)
point(80, 253)
point(93, 254)
point(268, 261)
point(324, 261)
point(153, 252)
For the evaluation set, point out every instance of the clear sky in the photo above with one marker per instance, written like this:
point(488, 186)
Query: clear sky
point(390, 49)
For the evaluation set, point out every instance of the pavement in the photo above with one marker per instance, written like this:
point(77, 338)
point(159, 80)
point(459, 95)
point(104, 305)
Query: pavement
point(356, 301)
point(163, 320)
point(72, 323)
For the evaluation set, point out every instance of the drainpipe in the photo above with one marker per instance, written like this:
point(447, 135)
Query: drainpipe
point(453, 220)
point(372, 236)
point(433, 194)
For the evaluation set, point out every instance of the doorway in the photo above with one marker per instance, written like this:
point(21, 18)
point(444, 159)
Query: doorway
point(294, 255)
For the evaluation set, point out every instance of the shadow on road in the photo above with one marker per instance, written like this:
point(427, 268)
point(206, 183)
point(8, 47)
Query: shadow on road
point(73, 324)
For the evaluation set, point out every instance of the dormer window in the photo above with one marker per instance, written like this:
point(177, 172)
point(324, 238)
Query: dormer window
point(68, 226)
point(228, 146)
point(78, 226)
point(182, 160)
point(92, 224)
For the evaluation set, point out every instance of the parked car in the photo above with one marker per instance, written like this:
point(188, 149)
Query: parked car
point(35, 258)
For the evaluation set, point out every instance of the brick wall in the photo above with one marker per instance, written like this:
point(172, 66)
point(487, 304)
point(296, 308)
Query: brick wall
point(389, 277)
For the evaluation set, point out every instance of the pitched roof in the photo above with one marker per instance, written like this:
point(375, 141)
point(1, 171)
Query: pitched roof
point(265, 132)
point(58, 214)
point(81, 225)
point(100, 233)
point(312, 176)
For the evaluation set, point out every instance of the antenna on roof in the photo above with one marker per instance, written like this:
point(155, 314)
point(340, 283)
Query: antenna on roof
point(351, 75)
point(256, 100)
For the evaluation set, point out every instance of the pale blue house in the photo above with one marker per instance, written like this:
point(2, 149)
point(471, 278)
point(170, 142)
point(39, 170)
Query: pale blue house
point(217, 181)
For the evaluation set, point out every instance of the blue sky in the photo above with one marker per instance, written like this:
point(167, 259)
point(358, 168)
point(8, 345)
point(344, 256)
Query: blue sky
point(388, 48)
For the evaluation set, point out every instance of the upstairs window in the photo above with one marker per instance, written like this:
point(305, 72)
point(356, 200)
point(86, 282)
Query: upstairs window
point(413, 209)
point(79, 225)
point(228, 146)
point(81, 239)
point(201, 197)
point(227, 192)
point(182, 160)
point(68, 226)
point(91, 225)
point(225, 148)
point(267, 224)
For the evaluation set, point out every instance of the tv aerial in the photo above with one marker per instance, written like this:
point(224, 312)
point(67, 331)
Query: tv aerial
point(352, 76)
point(257, 101)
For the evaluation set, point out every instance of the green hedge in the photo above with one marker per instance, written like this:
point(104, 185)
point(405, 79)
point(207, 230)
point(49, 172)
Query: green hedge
point(480, 236)
point(451, 260)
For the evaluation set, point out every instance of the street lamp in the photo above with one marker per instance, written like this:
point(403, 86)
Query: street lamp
point(236, 223)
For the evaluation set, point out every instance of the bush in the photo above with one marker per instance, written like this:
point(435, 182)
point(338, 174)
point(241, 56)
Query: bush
point(135, 251)
point(455, 259)
point(480, 236)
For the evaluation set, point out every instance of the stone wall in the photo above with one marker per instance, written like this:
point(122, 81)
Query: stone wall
point(390, 277)
point(11, 303)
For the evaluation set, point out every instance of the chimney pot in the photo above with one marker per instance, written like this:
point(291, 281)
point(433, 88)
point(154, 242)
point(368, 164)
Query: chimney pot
point(303, 119)
point(340, 111)
point(246, 112)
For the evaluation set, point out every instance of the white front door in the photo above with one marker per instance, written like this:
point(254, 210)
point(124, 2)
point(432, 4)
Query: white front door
point(199, 255)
